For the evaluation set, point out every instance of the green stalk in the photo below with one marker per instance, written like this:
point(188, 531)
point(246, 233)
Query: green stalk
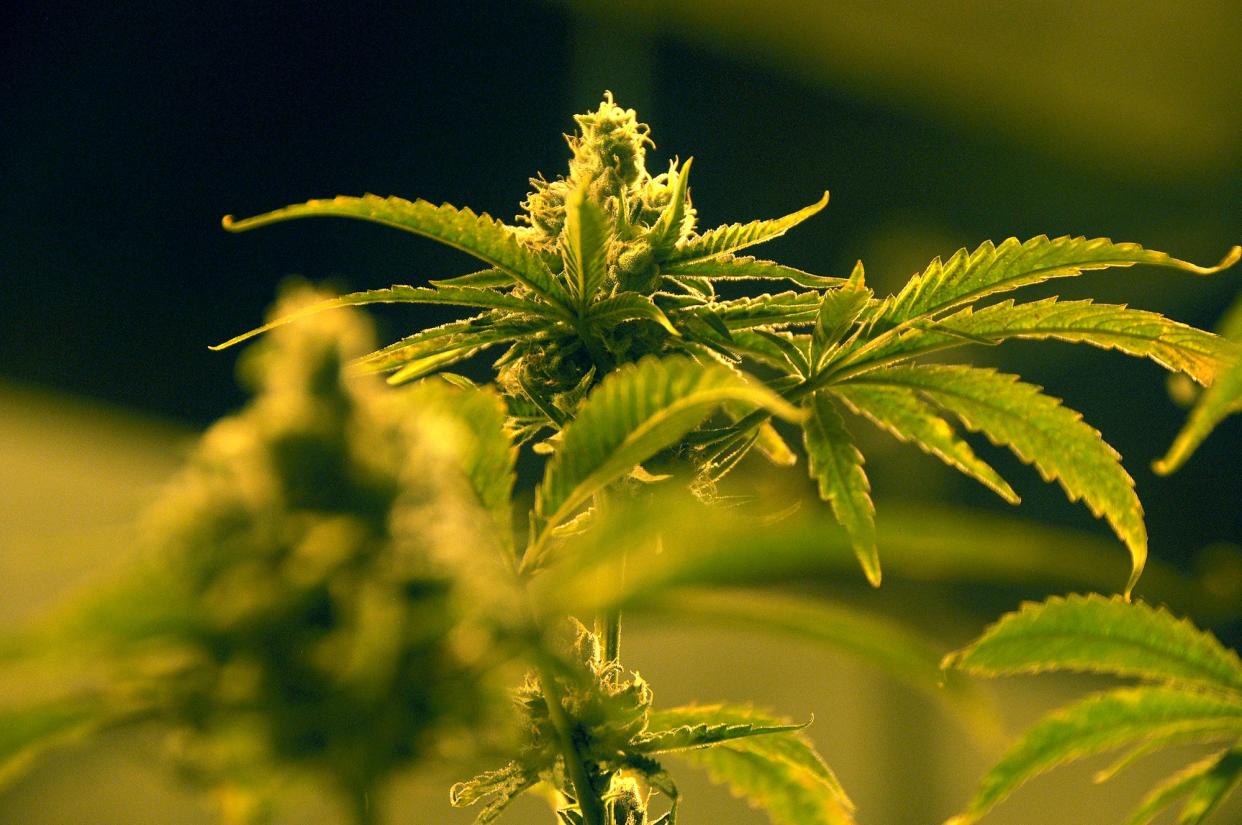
point(589, 803)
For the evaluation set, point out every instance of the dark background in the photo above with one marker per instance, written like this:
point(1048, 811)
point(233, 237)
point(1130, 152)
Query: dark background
point(130, 129)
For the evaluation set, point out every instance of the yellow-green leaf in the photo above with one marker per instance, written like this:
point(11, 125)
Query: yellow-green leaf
point(837, 467)
point(732, 237)
point(1040, 431)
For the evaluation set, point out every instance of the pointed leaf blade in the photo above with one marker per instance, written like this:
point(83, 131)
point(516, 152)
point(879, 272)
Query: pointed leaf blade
point(968, 276)
point(1101, 723)
point(585, 246)
point(1212, 789)
point(479, 235)
point(1098, 634)
point(1218, 402)
point(837, 467)
point(1040, 431)
point(909, 418)
point(732, 237)
point(672, 222)
point(629, 306)
point(731, 267)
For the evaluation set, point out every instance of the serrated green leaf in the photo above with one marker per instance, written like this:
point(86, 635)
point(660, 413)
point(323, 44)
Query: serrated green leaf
point(584, 246)
point(628, 306)
point(776, 349)
point(704, 735)
point(732, 237)
point(901, 412)
point(1217, 402)
point(1101, 723)
point(746, 268)
point(780, 772)
point(476, 333)
point(781, 309)
point(1172, 789)
point(402, 294)
point(631, 415)
point(1102, 635)
point(969, 276)
point(1174, 346)
point(838, 310)
point(487, 453)
point(479, 235)
point(672, 222)
point(1212, 789)
point(837, 467)
point(1040, 431)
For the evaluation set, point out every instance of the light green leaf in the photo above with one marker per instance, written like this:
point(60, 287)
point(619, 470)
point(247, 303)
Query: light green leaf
point(781, 309)
point(746, 268)
point(628, 306)
point(901, 412)
point(703, 735)
point(776, 349)
point(479, 235)
point(487, 452)
point(1040, 431)
point(672, 223)
point(838, 311)
point(837, 466)
point(969, 276)
point(401, 294)
point(1102, 635)
point(477, 333)
point(1174, 346)
point(732, 237)
point(631, 415)
point(1172, 789)
point(584, 246)
point(1215, 785)
point(780, 772)
point(1101, 723)
point(1217, 402)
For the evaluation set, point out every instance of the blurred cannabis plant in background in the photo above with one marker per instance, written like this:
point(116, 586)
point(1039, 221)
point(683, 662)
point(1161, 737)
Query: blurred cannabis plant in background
point(339, 584)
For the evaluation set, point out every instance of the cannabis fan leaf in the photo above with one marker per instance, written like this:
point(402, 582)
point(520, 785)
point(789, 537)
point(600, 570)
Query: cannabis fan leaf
point(1191, 691)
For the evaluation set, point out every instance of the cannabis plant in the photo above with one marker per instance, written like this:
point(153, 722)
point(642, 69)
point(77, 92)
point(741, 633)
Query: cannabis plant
point(322, 601)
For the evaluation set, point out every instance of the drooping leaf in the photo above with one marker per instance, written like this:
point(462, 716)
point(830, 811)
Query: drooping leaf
point(837, 467)
point(1101, 723)
point(628, 306)
point(479, 235)
point(477, 333)
point(1098, 634)
point(901, 412)
point(732, 237)
point(1174, 346)
point(1217, 402)
point(1040, 431)
point(584, 246)
point(744, 268)
point(969, 276)
point(401, 294)
point(780, 772)
point(630, 416)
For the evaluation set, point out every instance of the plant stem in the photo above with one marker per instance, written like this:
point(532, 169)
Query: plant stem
point(608, 630)
point(588, 801)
